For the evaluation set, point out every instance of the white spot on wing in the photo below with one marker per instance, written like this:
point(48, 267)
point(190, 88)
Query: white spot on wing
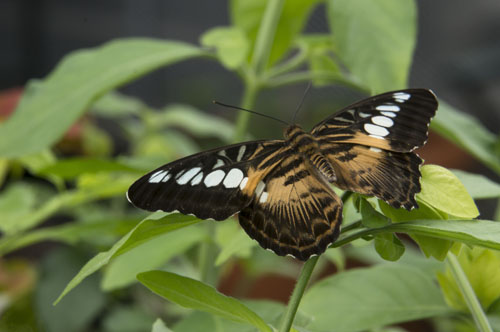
point(390, 108)
point(375, 149)
point(376, 136)
point(382, 121)
point(167, 177)
point(219, 163)
point(197, 179)
point(401, 95)
point(263, 197)
point(222, 153)
point(260, 188)
point(241, 152)
point(243, 183)
point(375, 130)
point(389, 114)
point(233, 178)
point(214, 178)
point(157, 176)
point(351, 112)
point(364, 115)
point(128, 198)
point(188, 175)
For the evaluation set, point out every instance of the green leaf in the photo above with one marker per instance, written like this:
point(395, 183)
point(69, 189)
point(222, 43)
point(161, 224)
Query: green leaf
point(482, 268)
point(233, 242)
point(371, 218)
point(78, 80)
point(71, 168)
point(79, 309)
point(127, 319)
point(319, 48)
point(468, 133)
point(194, 121)
point(393, 294)
point(16, 201)
point(159, 326)
point(68, 233)
point(194, 294)
point(231, 45)
point(115, 104)
point(375, 40)
point(482, 233)
point(247, 15)
point(122, 271)
point(152, 226)
point(478, 186)
point(442, 190)
point(389, 247)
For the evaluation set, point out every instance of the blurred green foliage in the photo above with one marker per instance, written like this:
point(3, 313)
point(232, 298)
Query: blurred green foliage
point(369, 49)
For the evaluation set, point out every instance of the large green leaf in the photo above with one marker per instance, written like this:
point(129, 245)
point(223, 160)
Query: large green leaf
point(153, 226)
point(375, 40)
point(194, 294)
point(48, 108)
point(247, 15)
point(362, 299)
point(152, 254)
point(483, 233)
point(468, 133)
point(442, 190)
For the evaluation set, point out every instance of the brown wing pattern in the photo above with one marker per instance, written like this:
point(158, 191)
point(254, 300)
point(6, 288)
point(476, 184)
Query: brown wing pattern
point(293, 212)
point(391, 176)
point(395, 121)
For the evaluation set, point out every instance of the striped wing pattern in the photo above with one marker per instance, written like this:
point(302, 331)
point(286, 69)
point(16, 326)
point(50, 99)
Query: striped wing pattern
point(293, 212)
point(281, 188)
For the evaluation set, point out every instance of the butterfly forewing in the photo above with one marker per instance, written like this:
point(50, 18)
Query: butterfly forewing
point(293, 211)
point(213, 184)
point(396, 121)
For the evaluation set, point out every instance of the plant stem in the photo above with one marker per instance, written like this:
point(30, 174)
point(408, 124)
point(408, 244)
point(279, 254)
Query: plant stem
point(206, 256)
point(298, 291)
point(247, 102)
point(465, 287)
point(265, 36)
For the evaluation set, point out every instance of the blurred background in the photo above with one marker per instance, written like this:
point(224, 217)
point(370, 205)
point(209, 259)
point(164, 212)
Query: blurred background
point(457, 56)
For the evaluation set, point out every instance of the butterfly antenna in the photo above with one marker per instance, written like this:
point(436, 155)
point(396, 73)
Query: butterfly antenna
point(301, 101)
point(253, 112)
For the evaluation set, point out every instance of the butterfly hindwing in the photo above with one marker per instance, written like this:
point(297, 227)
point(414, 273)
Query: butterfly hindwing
point(391, 176)
point(213, 184)
point(293, 211)
point(395, 121)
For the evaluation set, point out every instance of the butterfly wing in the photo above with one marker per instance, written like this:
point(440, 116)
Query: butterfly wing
point(394, 121)
point(293, 211)
point(214, 184)
point(370, 144)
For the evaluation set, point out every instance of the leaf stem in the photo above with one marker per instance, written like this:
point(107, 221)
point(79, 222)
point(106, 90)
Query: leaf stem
point(298, 291)
point(247, 102)
point(465, 287)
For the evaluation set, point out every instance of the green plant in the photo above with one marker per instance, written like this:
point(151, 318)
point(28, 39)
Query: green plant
point(265, 47)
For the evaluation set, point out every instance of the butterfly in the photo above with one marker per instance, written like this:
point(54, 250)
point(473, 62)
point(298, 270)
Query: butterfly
point(281, 189)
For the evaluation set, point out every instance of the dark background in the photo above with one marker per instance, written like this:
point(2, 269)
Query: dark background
point(457, 56)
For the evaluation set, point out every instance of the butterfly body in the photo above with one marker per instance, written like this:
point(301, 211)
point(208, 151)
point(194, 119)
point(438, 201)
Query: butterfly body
point(281, 189)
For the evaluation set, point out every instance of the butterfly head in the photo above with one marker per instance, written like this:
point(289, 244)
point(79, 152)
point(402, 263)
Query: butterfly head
point(292, 131)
